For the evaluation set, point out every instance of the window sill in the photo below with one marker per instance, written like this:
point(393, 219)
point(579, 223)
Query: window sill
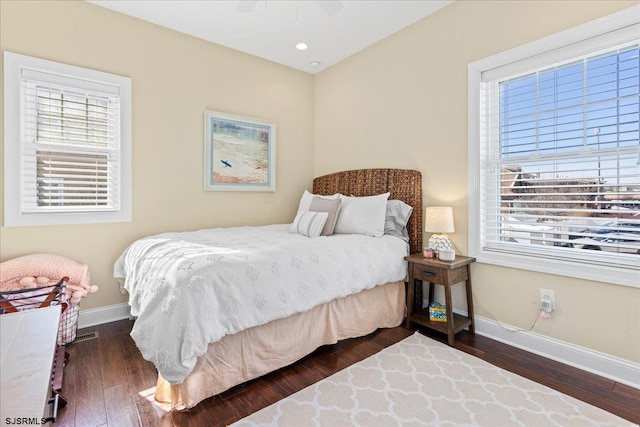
point(624, 276)
point(61, 218)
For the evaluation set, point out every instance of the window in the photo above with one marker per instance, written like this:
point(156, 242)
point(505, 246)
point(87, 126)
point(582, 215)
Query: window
point(554, 153)
point(67, 144)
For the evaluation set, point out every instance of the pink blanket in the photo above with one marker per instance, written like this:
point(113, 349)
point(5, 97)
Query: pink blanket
point(39, 270)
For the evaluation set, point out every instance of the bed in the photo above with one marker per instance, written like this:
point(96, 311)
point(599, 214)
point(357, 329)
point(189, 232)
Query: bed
point(251, 348)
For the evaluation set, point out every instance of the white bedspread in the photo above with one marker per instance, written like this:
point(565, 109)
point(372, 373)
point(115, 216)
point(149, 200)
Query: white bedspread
point(190, 289)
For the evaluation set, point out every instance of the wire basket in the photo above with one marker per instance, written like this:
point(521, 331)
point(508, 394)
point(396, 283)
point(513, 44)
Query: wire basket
point(68, 325)
point(12, 301)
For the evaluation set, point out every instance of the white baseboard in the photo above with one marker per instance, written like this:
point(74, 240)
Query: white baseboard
point(98, 316)
point(598, 363)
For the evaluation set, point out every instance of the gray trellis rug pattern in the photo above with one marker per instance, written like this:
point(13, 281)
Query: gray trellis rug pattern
point(421, 382)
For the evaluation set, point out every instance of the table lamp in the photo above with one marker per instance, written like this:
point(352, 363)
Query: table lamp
point(439, 220)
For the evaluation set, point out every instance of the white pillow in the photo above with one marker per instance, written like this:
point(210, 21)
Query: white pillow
point(305, 200)
point(362, 215)
point(309, 224)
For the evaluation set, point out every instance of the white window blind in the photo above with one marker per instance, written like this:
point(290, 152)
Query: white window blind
point(68, 147)
point(562, 161)
point(71, 147)
point(557, 162)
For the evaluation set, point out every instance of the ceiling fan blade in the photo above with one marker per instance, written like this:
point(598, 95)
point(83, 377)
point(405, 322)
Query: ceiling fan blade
point(246, 6)
point(331, 7)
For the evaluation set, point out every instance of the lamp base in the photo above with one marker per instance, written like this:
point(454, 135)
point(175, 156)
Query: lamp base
point(440, 241)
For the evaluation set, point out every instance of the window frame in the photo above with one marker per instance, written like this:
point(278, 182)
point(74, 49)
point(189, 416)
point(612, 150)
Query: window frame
point(13, 215)
point(590, 37)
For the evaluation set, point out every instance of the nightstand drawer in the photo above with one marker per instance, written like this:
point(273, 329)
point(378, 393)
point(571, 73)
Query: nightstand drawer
point(427, 273)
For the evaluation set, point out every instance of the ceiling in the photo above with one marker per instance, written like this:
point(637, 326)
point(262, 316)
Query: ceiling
point(270, 29)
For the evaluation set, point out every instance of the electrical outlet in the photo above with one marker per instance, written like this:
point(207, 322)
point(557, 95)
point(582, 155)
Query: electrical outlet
point(547, 300)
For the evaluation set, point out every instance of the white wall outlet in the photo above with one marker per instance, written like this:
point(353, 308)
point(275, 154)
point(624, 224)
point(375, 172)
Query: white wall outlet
point(547, 300)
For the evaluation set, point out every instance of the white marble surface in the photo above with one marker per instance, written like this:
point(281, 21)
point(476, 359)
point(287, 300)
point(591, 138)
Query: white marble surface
point(27, 343)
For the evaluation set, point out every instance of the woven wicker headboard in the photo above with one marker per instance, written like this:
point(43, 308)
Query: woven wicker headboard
point(403, 184)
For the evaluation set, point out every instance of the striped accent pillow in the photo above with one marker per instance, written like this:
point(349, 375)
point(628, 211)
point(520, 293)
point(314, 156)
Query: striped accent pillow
point(309, 224)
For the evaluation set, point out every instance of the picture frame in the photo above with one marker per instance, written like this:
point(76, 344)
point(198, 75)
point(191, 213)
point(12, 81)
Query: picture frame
point(239, 153)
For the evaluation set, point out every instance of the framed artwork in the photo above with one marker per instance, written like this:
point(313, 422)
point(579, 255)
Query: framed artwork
point(239, 153)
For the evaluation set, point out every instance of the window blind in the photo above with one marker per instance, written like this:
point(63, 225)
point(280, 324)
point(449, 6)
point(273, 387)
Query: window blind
point(70, 145)
point(560, 159)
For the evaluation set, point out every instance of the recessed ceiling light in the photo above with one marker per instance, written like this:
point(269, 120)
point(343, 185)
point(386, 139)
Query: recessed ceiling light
point(314, 64)
point(301, 46)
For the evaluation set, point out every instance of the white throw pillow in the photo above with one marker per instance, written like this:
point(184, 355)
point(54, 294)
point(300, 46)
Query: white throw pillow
point(309, 224)
point(307, 198)
point(362, 215)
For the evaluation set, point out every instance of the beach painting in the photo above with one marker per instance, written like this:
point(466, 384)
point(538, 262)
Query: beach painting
point(239, 153)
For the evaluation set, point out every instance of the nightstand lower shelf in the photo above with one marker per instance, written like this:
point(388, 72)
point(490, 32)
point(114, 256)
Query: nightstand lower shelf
point(421, 317)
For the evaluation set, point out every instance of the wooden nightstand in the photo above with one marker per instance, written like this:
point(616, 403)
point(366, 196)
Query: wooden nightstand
point(447, 274)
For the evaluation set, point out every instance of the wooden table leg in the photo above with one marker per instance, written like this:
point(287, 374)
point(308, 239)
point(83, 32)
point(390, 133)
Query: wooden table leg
point(410, 290)
point(451, 338)
point(472, 326)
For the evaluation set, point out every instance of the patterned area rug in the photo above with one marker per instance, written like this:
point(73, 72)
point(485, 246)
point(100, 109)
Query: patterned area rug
point(419, 381)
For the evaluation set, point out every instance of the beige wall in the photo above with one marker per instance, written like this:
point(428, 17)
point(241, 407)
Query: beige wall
point(403, 103)
point(175, 78)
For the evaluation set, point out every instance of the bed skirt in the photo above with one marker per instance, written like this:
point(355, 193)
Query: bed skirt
point(257, 351)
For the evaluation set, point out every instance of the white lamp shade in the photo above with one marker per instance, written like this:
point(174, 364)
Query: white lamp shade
point(439, 220)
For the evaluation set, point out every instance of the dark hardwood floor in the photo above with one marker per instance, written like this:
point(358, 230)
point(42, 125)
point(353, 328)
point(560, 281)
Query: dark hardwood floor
point(108, 383)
